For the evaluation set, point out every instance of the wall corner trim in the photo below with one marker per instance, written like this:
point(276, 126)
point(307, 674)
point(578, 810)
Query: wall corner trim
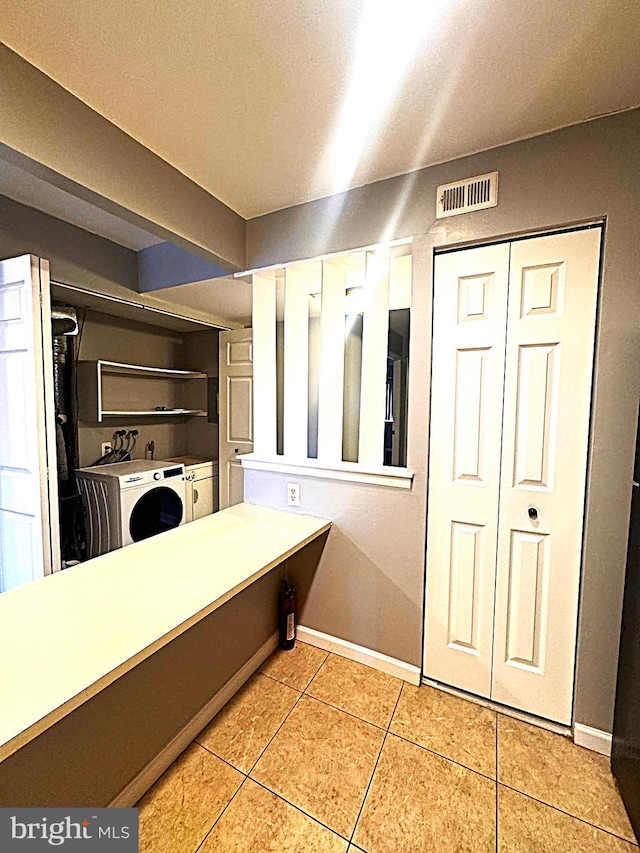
point(594, 739)
point(152, 771)
point(360, 654)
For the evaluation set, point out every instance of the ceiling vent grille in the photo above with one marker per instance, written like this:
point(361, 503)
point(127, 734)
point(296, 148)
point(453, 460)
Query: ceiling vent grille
point(465, 196)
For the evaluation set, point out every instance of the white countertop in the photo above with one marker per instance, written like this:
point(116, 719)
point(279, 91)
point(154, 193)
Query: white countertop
point(69, 635)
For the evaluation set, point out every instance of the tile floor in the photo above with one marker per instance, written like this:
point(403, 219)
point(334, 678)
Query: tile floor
point(317, 754)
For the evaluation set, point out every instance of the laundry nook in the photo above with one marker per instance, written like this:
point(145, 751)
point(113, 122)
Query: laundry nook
point(319, 426)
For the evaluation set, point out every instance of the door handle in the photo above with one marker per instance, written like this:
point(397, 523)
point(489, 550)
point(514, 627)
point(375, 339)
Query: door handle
point(195, 496)
point(533, 513)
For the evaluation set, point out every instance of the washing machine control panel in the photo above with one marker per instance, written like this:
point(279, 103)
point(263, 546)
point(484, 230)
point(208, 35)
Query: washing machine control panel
point(173, 472)
point(140, 478)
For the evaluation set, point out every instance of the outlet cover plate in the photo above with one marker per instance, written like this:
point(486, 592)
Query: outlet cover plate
point(293, 494)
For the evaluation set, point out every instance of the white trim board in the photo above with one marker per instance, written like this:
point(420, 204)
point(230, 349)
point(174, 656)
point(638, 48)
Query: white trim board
point(152, 771)
point(593, 739)
point(399, 478)
point(360, 654)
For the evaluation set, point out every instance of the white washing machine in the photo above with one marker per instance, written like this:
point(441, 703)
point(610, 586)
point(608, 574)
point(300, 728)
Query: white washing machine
point(126, 502)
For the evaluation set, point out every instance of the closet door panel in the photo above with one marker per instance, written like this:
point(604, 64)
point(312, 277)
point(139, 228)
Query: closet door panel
point(549, 358)
point(470, 299)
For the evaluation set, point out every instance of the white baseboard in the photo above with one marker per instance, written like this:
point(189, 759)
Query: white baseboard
point(360, 654)
point(594, 739)
point(150, 774)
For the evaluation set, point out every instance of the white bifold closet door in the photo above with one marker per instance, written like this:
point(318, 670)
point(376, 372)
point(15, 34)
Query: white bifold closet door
point(470, 315)
point(510, 425)
point(29, 529)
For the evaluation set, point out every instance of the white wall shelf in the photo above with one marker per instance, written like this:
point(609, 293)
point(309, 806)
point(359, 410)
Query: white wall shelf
point(120, 369)
point(191, 413)
point(109, 389)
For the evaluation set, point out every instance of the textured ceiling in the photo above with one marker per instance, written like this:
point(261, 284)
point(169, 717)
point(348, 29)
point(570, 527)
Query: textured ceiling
point(270, 104)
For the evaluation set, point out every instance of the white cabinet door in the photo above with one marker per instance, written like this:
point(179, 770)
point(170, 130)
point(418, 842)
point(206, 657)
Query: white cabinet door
point(550, 339)
point(236, 411)
point(29, 533)
point(203, 498)
point(470, 305)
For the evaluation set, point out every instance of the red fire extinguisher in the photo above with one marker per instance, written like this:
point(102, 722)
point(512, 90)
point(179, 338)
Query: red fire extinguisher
point(287, 615)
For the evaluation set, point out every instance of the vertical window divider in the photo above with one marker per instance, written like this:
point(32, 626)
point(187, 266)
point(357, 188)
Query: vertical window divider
point(296, 363)
point(374, 359)
point(332, 325)
point(264, 365)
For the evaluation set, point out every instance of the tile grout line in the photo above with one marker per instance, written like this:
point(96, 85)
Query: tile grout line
point(211, 828)
point(315, 674)
point(375, 767)
point(246, 775)
point(298, 808)
point(567, 814)
point(381, 728)
point(337, 707)
point(387, 732)
point(342, 711)
point(273, 737)
point(444, 757)
point(220, 758)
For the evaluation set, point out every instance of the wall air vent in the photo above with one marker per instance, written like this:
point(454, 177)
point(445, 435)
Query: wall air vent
point(465, 196)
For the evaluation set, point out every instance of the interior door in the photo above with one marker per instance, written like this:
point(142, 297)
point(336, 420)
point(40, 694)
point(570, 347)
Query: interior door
point(29, 532)
point(236, 411)
point(470, 304)
point(550, 340)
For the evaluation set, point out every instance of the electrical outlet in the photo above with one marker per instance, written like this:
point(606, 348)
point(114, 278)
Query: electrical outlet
point(105, 448)
point(293, 494)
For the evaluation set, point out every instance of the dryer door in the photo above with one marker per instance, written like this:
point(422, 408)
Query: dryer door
point(154, 512)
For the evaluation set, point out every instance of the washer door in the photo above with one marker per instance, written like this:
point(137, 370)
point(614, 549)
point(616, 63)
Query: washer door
point(157, 510)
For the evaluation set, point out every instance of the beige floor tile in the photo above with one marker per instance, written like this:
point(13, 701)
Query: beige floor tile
point(524, 825)
point(295, 667)
point(259, 822)
point(322, 760)
point(554, 770)
point(448, 725)
point(246, 724)
point(357, 689)
point(177, 813)
point(422, 803)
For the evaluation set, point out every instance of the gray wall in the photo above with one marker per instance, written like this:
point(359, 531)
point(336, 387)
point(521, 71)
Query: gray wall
point(88, 757)
point(48, 131)
point(369, 586)
point(201, 353)
point(75, 256)
point(117, 339)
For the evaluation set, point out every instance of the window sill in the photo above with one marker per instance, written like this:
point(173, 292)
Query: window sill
point(385, 475)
